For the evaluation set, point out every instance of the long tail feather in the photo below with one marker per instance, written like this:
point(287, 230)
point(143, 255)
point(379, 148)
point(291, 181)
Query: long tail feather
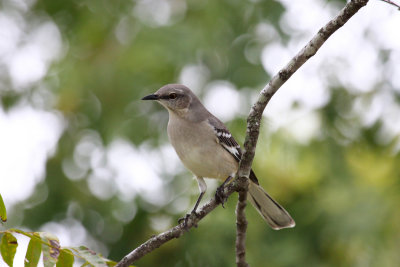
point(273, 213)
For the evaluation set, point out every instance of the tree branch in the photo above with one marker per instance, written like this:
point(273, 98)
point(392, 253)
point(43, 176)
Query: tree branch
point(253, 128)
point(241, 227)
point(175, 232)
point(254, 118)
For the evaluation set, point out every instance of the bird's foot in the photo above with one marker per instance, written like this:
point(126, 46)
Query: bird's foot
point(184, 220)
point(220, 196)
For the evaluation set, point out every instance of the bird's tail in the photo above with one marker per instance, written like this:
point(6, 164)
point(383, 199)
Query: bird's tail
point(273, 213)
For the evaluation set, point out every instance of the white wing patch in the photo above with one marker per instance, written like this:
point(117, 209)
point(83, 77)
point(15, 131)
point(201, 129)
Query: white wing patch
point(222, 134)
point(232, 150)
point(228, 142)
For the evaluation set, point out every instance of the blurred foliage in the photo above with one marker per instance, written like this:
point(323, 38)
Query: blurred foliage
point(342, 193)
point(48, 245)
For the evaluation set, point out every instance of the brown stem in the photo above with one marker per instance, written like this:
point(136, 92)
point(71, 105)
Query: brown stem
point(391, 3)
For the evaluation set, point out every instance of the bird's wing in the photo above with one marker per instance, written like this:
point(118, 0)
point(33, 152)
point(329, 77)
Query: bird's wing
point(225, 138)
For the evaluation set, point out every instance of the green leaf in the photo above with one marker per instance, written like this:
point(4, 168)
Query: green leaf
point(33, 253)
point(90, 256)
point(66, 258)
point(3, 213)
point(51, 250)
point(8, 247)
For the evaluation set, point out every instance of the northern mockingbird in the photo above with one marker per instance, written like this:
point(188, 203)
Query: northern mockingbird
point(208, 150)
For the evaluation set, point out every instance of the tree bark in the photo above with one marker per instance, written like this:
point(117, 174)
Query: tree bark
point(241, 227)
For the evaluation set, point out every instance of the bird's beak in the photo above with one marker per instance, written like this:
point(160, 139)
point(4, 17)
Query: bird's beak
point(151, 97)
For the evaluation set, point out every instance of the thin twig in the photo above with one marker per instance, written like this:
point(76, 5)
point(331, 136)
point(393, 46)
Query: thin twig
point(392, 3)
point(241, 227)
point(253, 128)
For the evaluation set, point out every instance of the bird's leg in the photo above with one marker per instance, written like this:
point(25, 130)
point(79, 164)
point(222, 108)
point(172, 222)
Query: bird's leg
point(203, 188)
point(219, 194)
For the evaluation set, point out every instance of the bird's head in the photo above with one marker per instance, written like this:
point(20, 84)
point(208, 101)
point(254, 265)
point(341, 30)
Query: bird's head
point(174, 97)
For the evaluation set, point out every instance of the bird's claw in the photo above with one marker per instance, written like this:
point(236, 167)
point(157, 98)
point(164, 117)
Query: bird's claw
point(184, 220)
point(220, 196)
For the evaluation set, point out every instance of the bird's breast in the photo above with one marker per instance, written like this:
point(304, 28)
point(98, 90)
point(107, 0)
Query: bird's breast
point(197, 147)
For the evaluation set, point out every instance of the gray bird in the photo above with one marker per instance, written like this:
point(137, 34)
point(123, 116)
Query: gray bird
point(208, 150)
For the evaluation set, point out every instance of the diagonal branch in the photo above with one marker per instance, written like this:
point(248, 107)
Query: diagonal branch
point(175, 232)
point(253, 128)
point(254, 118)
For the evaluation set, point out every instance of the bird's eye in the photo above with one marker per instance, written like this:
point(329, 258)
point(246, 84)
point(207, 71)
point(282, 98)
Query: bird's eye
point(172, 96)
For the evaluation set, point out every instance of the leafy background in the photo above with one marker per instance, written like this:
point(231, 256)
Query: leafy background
point(83, 158)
